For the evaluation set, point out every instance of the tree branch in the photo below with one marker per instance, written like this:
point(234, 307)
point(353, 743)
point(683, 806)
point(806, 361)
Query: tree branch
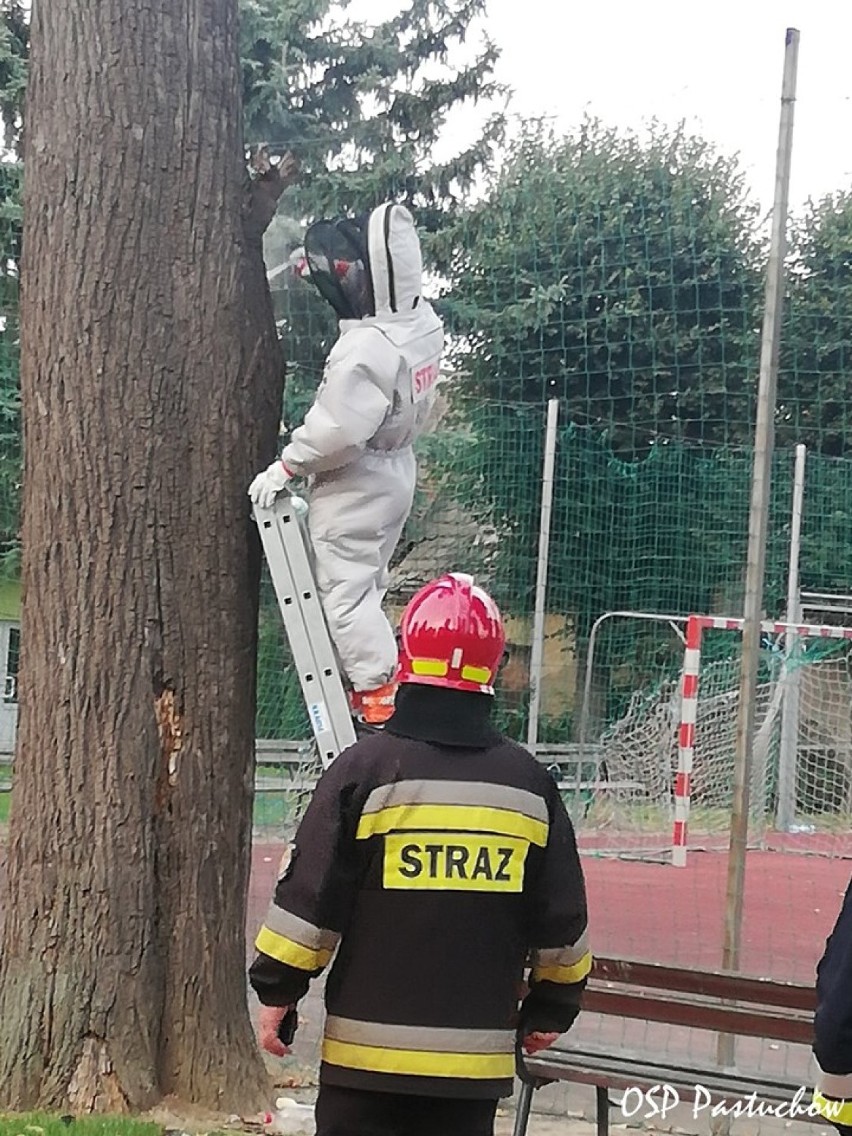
point(268, 178)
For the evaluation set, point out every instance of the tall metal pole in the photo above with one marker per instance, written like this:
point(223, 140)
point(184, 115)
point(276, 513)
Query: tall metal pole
point(757, 529)
point(786, 812)
point(537, 655)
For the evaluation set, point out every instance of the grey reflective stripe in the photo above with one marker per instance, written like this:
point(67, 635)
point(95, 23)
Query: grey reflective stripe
point(435, 1040)
point(299, 930)
point(562, 956)
point(837, 1085)
point(378, 254)
point(476, 793)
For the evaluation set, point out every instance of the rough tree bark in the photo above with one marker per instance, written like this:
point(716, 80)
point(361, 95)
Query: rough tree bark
point(151, 382)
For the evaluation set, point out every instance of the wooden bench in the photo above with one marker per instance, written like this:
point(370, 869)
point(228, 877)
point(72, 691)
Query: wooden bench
point(283, 759)
point(713, 1002)
point(281, 765)
point(582, 768)
point(278, 767)
point(565, 762)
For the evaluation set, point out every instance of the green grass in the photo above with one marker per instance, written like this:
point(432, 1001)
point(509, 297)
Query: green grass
point(5, 802)
point(45, 1124)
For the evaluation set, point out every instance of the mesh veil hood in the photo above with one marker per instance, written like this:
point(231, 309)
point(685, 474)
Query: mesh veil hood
point(367, 266)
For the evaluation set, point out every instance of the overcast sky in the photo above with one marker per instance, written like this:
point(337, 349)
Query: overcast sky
point(719, 65)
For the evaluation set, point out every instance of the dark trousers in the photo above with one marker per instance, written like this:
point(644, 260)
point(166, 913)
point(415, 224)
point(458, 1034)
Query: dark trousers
point(359, 1112)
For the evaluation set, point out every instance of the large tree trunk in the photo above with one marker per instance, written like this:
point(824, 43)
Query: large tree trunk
point(151, 382)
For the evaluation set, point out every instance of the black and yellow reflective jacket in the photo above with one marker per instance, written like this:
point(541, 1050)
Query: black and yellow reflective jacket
point(437, 874)
point(833, 1023)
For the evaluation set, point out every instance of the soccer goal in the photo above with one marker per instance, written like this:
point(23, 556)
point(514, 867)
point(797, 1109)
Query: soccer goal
point(801, 776)
point(660, 773)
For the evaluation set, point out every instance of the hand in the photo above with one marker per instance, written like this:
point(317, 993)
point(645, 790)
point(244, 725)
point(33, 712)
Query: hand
point(269, 1019)
point(267, 485)
point(533, 1042)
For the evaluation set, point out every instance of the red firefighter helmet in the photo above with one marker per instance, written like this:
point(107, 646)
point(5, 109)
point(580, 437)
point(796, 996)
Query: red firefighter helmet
point(452, 636)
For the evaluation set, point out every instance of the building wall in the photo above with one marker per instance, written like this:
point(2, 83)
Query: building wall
point(559, 668)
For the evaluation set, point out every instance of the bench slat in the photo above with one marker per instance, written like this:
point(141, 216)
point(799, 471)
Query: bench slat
point(709, 984)
point(284, 786)
point(264, 781)
point(593, 1066)
point(631, 786)
point(742, 1020)
point(713, 1002)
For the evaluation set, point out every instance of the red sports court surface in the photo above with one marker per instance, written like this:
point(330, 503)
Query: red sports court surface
point(676, 915)
point(659, 913)
point(656, 912)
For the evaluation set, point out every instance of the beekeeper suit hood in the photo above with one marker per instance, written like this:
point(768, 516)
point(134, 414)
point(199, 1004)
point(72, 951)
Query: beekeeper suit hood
point(369, 266)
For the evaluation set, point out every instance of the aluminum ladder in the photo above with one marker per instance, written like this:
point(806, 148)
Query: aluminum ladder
point(286, 545)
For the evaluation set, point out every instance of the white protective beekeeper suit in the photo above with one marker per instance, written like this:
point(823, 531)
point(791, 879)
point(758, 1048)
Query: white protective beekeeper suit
point(355, 444)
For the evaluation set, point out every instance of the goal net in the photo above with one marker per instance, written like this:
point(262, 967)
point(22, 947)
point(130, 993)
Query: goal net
point(801, 775)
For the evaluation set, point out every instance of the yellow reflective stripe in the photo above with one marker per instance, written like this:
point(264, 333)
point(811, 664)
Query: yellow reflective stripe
point(837, 1111)
point(564, 974)
point(417, 1063)
point(452, 818)
point(288, 951)
point(476, 674)
point(433, 667)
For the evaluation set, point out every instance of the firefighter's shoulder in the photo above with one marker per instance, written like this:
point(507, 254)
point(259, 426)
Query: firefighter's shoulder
point(372, 759)
point(382, 756)
point(510, 756)
point(360, 757)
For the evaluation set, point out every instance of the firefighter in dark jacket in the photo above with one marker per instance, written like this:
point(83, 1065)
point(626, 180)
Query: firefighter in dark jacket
point(437, 860)
point(833, 1023)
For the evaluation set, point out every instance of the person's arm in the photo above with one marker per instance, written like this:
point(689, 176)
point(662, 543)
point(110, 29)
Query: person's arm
point(350, 406)
point(833, 1023)
point(560, 959)
point(315, 891)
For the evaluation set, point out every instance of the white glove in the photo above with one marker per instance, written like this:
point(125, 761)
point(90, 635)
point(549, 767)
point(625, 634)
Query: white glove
point(299, 505)
point(267, 485)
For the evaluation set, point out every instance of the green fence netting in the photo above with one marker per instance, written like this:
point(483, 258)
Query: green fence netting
point(623, 277)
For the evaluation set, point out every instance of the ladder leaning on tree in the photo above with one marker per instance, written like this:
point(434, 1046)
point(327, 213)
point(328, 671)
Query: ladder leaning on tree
point(286, 546)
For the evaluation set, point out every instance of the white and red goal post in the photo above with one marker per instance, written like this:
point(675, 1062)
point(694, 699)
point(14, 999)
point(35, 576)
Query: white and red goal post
point(695, 628)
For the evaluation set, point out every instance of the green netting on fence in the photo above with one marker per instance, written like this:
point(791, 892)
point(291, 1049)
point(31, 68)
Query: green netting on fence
point(622, 275)
point(665, 534)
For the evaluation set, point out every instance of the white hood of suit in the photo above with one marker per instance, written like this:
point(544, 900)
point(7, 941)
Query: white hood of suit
point(395, 261)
